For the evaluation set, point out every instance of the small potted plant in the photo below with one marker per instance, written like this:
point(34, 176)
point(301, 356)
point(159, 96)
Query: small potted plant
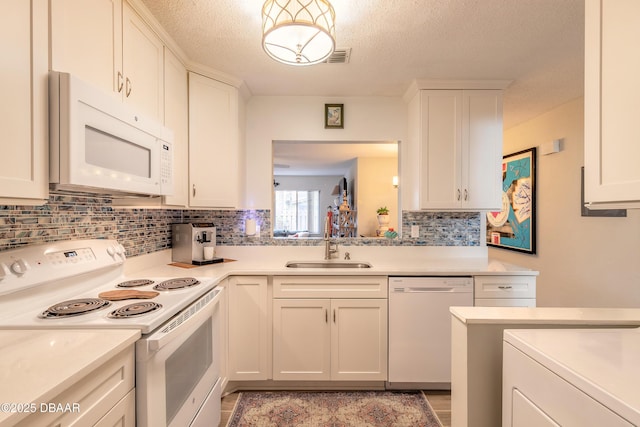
point(383, 219)
point(383, 211)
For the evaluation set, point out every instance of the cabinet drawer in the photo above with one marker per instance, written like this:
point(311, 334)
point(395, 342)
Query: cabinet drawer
point(505, 286)
point(95, 394)
point(330, 286)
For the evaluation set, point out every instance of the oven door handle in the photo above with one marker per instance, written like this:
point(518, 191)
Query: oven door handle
point(190, 318)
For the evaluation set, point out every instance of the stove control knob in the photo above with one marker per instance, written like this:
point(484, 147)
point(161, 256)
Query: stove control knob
point(111, 250)
point(3, 273)
point(19, 267)
point(120, 249)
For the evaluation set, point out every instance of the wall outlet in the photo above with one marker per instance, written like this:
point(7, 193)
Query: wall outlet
point(415, 231)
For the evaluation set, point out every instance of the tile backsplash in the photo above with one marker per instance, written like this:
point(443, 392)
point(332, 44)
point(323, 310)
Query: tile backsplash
point(70, 216)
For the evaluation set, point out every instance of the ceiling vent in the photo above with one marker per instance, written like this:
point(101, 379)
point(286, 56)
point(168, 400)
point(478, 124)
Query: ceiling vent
point(339, 56)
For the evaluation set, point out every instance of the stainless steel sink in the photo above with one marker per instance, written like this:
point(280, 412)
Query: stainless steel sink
point(327, 264)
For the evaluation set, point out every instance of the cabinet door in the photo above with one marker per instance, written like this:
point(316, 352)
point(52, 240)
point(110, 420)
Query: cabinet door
point(248, 328)
point(23, 109)
point(213, 143)
point(86, 40)
point(176, 118)
point(440, 149)
point(359, 339)
point(142, 65)
point(612, 101)
point(301, 339)
point(482, 149)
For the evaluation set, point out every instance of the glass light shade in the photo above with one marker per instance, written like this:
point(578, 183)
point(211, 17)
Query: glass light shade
point(298, 32)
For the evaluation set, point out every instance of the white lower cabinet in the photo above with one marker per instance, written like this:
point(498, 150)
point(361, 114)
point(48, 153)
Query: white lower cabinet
point(504, 291)
point(329, 338)
point(535, 396)
point(249, 328)
point(105, 397)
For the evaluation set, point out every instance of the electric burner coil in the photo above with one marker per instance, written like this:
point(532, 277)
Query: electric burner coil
point(134, 310)
point(178, 283)
point(74, 307)
point(135, 283)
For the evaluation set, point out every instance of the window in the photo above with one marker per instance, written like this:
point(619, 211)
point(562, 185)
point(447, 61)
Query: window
point(297, 211)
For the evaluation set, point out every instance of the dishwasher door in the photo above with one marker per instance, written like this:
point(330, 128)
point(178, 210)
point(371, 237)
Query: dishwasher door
point(420, 329)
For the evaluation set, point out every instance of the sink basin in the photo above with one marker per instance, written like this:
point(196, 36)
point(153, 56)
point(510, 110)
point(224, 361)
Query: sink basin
point(327, 264)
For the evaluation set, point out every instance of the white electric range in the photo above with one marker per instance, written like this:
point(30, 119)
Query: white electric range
point(70, 285)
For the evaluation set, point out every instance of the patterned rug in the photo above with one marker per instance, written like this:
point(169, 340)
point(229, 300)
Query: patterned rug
point(333, 409)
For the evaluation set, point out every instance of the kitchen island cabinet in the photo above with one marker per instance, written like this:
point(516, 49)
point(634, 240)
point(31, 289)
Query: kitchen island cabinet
point(24, 177)
point(96, 389)
point(477, 342)
point(550, 380)
point(107, 44)
point(611, 103)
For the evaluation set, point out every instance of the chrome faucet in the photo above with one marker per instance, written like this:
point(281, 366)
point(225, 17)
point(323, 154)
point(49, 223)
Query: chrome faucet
point(329, 248)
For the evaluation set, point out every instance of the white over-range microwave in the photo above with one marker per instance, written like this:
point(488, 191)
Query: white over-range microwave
point(98, 144)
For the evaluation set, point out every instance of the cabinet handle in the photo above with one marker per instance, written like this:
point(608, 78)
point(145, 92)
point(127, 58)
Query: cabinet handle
point(504, 287)
point(466, 195)
point(120, 81)
point(326, 315)
point(129, 86)
point(194, 190)
point(334, 315)
point(458, 194)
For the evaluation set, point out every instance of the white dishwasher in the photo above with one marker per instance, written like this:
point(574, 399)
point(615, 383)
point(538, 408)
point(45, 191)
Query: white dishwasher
point(420, 329)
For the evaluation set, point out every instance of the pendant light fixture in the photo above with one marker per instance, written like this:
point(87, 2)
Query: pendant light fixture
point(298, 32)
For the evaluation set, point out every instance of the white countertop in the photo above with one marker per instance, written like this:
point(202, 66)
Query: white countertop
point(603, 363)
point(547, 315)
point(396, 260)
point(37, 365)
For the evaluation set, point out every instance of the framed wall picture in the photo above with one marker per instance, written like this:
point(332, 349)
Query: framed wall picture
point(334, 116)
point(514, 226)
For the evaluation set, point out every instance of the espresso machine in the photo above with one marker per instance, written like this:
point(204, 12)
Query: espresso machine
point(194, 243)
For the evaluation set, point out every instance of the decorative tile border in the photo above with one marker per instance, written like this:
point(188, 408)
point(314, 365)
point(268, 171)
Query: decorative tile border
point(70, 216)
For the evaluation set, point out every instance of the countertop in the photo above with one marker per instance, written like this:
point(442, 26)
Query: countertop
point(547, 315)
point(37, 365)
point(603, 363)
point(388, 261)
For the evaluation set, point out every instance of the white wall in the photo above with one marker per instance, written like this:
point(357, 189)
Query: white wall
point(375, 189)
point(583, 261)
point(302, 118)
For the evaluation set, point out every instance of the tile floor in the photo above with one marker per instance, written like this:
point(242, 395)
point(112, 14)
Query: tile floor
point(440, 401)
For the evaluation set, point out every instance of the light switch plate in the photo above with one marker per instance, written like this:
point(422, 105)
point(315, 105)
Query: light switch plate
point(415, 231)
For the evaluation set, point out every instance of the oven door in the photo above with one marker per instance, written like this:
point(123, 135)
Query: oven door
point(177, 366)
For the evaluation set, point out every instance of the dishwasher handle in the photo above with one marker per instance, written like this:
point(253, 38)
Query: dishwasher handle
point(425, 289)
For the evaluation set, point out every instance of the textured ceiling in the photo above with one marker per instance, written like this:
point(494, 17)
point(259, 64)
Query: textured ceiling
point(538, 44)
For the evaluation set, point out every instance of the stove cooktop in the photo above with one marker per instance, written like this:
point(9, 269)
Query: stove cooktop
point(70, 276)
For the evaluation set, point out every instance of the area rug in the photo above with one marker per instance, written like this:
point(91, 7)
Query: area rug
point(333, 409)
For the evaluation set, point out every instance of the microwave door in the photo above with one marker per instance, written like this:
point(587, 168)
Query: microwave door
point(123, 159)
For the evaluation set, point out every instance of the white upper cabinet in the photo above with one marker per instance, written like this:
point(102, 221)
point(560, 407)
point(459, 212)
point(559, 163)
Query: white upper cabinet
point(106, 43)
point(611, 104)
point(460, 148)
point(214, 146)
point(176, 118)
point(143, 65)
point(24, 177)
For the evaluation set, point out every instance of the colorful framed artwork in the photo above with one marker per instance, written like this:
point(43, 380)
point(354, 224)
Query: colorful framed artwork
point(514, 226)
point(334, 116)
